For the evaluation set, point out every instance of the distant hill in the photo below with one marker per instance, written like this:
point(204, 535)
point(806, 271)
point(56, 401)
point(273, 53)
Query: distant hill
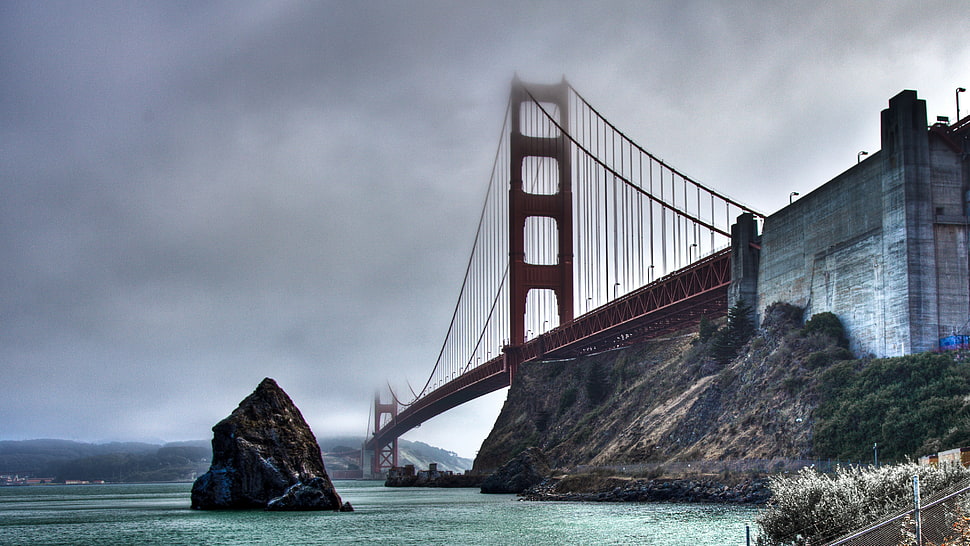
point(114, 461)
point(421, 455)
point(342, 453)
point(175, 461)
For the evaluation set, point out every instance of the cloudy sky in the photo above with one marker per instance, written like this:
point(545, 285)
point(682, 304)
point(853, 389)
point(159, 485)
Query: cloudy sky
point(194, 196)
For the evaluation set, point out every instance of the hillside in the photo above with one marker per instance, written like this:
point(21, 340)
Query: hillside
point(675, 399)
point(339, 454)
point(176, 461)
point(116, 461)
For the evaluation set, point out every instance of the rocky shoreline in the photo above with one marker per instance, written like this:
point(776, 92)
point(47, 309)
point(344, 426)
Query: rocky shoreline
point(754, 491)
point(407, 476)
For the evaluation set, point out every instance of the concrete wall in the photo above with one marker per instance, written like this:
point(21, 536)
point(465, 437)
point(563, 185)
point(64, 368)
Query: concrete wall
point(883, 245)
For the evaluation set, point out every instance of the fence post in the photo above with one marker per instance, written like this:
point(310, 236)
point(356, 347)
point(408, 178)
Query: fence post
point(919, 531)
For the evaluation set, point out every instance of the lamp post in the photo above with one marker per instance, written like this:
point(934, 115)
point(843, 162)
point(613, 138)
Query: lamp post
point(791, 196)
point(959, 90)
point(858, 156)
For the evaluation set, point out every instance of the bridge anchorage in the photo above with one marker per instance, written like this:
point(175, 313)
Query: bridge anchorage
point(576, 216)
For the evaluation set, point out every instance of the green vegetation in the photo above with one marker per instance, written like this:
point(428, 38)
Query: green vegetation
point(116, 461)
point(827, 324)
point(597, 385)
point(910, 406)
point(727, 342)
point(813, 508)
point(165, 465)
point(567, 399)
point(705, 330)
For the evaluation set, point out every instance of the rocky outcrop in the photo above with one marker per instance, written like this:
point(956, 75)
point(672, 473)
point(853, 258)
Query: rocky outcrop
point(668, 400)
point(753, 491)
point(262, 452)
point(527, 469)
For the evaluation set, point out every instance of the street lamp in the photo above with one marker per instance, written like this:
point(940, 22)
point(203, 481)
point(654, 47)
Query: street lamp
point(791, 196)
point(959, 90)
point(858, 156)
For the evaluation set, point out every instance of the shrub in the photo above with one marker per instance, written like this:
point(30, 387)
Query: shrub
point(822, 359)
point(814, 508)
point(827, 324)
point(780, 317)
point(567, 399)
point(908, 405)
point(706, 330)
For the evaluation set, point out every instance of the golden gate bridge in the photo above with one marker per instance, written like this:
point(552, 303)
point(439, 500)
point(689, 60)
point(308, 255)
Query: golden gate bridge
point(586, 242)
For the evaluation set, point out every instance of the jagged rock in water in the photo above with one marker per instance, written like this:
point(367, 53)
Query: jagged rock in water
point(263, 450)
point(310, 495)
point(524, 471)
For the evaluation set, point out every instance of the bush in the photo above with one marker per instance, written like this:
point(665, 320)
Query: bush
point(705, 330)
point(827, 324)
point(909, 405)
point(567, 399)
point(780, 317)
point(814, 508)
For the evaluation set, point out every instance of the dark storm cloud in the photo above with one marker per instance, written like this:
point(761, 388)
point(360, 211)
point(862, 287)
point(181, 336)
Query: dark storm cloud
point(197, 196)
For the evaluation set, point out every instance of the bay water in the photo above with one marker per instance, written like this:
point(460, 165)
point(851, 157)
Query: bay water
point(160, 514)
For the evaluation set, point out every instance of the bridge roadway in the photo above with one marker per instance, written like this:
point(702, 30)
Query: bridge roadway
point(670, 303)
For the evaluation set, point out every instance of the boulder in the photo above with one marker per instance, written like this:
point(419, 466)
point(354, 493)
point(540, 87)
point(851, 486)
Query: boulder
point(262, 451)
point(526, 470)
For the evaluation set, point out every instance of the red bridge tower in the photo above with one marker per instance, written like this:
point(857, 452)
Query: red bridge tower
point(554, 145)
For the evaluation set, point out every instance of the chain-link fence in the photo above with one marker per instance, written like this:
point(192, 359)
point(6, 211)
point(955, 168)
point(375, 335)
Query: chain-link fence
point(935, 520)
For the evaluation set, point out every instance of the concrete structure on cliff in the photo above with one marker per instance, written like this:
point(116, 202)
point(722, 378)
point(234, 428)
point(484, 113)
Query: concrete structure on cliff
point(883, 245)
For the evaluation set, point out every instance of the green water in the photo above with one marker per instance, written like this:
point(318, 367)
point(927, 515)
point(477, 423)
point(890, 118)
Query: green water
point(159, 514)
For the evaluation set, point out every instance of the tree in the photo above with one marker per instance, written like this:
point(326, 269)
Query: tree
point(727, 342)
point(706, 330)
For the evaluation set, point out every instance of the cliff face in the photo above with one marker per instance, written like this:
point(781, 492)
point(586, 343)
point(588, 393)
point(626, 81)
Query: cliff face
point(667, 400)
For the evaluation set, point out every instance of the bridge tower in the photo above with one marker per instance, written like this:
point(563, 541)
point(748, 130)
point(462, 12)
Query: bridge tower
point(385, 453)
point(558, 205)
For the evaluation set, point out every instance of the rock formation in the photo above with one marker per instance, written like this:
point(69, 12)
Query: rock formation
point(669, 400)
point(263, 450)
point(524, 471)
point(746, 491)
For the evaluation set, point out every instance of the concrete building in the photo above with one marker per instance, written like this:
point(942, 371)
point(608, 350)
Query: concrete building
point(883, 245)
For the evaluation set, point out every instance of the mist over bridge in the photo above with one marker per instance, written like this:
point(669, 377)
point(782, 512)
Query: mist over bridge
point(586, 242)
